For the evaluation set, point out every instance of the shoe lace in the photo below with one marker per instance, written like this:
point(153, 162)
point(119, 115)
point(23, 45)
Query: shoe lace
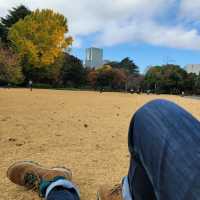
point(116, 189)
point(32, 180)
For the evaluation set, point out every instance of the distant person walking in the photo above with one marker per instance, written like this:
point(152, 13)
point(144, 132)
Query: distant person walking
point(30, 83)
point(9, 86)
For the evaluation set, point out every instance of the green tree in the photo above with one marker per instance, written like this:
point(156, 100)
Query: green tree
point(197, 84)
point(135, 82)
point(72, 72)
point(14, 15)
point(190, 83)
point(3, 33)
point(92, 78)
point(173, 78)
point(119, 79)
point(166, 79)
point(108, 77)
point(10, 69)
point(48, 74)
point(153, 78)
point(126, 64)
point(114, 64)
point(104, 76)
point(40, 37)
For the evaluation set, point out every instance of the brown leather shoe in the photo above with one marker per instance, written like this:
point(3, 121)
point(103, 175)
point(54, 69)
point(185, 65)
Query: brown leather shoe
point(106, 193)
point(29, 174)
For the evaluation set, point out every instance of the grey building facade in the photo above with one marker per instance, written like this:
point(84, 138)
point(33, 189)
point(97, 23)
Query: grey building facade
point(193, 68)
point(94, 57)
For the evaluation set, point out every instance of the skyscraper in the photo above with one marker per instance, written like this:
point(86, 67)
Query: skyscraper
point(94, 57)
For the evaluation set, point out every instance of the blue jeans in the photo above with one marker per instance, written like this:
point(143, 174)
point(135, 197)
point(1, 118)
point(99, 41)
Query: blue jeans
point(164, 142)
point(60, 193)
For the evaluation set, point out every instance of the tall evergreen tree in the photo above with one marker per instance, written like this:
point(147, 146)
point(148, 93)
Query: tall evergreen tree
point(126, 64)
point(14, 15)
point(129, 66)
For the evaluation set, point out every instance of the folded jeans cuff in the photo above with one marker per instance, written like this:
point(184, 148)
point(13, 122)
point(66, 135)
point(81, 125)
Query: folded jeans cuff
point(64, 183)
point(126, 194)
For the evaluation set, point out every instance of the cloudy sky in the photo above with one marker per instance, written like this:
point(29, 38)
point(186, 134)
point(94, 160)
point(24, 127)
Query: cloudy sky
point(148, 31)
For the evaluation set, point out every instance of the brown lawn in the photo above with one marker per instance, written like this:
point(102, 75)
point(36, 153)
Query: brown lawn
point(84, 131)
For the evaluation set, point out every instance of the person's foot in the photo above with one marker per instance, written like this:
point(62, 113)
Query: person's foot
point(30, 174)
point(106, 193)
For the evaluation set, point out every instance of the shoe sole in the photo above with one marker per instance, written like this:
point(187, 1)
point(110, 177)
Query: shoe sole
point(35, 164)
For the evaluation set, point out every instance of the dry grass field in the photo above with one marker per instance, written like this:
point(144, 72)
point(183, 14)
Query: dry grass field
point(84, 131)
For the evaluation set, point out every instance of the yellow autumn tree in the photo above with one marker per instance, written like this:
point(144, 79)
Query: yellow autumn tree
point(40, 37)
point(104, 68)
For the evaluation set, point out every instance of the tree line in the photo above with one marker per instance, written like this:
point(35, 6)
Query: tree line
point(34, 45)
point(171, 79)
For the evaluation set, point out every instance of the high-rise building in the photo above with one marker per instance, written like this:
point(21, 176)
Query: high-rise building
point(94, 57)
point(193, 68)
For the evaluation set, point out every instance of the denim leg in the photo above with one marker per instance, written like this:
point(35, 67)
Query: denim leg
point(60, 193)
point(142, 188)
point(164, 141)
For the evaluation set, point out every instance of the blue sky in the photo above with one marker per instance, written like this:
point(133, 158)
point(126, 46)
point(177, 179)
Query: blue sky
point(148, 31)
point(145, 55)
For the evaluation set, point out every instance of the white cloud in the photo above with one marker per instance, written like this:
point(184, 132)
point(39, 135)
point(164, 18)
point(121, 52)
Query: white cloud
point(190, 9)
point(120, 21)
point(151, 33)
